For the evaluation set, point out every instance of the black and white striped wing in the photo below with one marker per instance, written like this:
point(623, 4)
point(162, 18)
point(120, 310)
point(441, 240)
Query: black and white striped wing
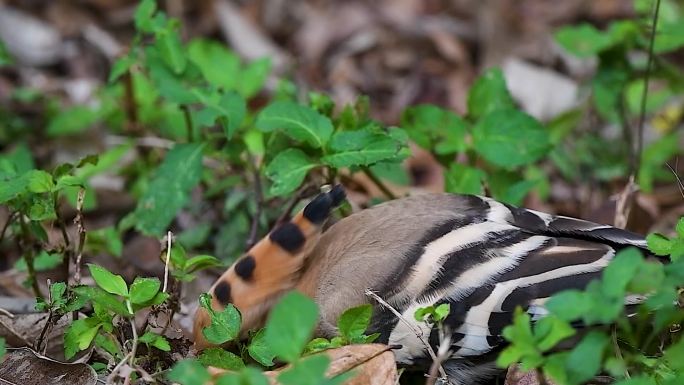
point(501, 257)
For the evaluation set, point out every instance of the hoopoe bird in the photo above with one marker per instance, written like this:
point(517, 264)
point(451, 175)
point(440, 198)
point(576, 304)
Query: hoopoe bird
point(481, 256)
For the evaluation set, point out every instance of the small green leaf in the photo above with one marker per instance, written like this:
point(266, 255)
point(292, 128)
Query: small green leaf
point(104, 299)
point(221, 358)
point(463, 179)
point(109, 282)
point(225, 324)
point(200, 262)
point(189, 372)
point(254, 76)
point(288, 170)
point(296, 121)
point(144, 289)
point(353, 322)
point(361, 148)
point(246, 376)
point(3, 349)
point(583, 40)
point(489, 93)
point(550, 330)
point(309, 371)
point(510, 138)
point(442, 311)
point(569, 305)
point(290, 325)
point(143, 15)
point(79, 335)
point(71, 121)
point(679, 228)
point(259, 349)
point(584, 361)
point(620, 271)
point(230, 110)
point(171, 49)
point(218, 64)
point(435, 129)
point(169, 189)
point(156, 340)
point(669, 38)
point(317, 345)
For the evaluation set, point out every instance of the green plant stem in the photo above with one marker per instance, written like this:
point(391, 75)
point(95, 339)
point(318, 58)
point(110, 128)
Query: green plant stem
point(644, 93)
point(188, 122)
point(28, 257)
point(379, 183)
point(6, 226)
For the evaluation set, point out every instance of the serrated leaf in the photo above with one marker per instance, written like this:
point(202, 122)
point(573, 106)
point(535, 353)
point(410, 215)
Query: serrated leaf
point(435, 129)
point(156, 340)
point(104, 299)
point(144, 289)
point(296, 121)
point(259, 350)
point(79, 335)
point(510, 138)
point(361, 148)
point(169, 189)
point(225, 324)
point(288, 170)
point(489, 93)
point(463, 179)
point(290, 325)
point(354, 322)
point(109, 282)
point(221, 358)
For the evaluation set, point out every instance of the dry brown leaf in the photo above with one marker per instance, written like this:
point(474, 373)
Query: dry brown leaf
point(372, 364)
point(24, 366)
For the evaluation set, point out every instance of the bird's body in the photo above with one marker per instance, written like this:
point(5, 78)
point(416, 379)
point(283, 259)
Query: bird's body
point(482, 257)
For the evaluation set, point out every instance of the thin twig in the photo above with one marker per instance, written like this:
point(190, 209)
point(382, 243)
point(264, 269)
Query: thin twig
point(680, 184)
point(385, 190)
point(443, 354)
point(28, 257)
point(6, 312)
point(81, 233)
point(411, 327)
point(188, 121)
point(169, 236)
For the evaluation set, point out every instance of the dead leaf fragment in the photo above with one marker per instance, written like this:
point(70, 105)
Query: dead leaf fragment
point(26, 367)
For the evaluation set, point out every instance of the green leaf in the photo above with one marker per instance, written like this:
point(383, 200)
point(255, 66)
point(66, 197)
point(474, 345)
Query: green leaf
point(170, 48)
point(200, 262)
point(3, 349)
point(463, 179)
point(354, 322)
point(220, 66)
point(288, 170)
point(296, 121)
point(442, 311)
point(35, 181)
point(225, 324)
point(230, 110)
point(189, 372)
point(510, 138)
point(143, 15)
point(669, 38)
point(247, 376)
point(156, 340)
point(361, 148)
point(583, 40)
point(144, 289)
point(79, 335)
point(42, 207)
point(120, 67)
point(169, 189)
point(584, 361)
point(679, 228)
point(309, 371)
point(488, 94)
point(41, 262)
point(104, 299)
point(569, 305)
point(71, 121)
point(435, 129)
point(674, 355)
point(641, 380)
point(259, 349)
point(290, 325)
point(221, 358)
point(620, 271)
point(551, 330)
point(254, 76)
point(111, 283)
point(317, 345)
